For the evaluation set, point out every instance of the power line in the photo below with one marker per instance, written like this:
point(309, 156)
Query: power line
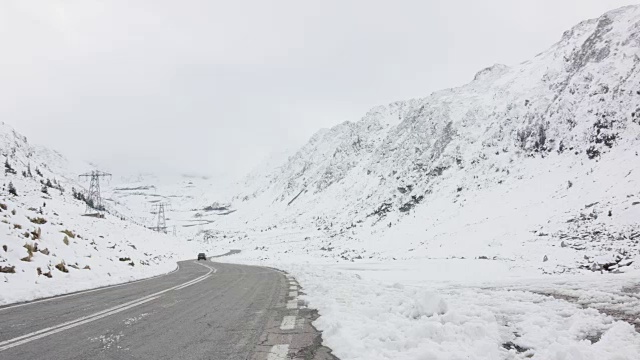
point(159, 210)
point(93, 198)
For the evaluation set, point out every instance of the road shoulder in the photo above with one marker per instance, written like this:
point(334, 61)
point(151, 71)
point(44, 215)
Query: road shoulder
point(289, 333)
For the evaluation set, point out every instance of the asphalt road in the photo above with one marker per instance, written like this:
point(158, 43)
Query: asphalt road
point(204, 310)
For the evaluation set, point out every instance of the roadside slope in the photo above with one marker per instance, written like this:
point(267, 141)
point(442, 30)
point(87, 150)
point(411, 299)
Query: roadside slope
point(48, 247)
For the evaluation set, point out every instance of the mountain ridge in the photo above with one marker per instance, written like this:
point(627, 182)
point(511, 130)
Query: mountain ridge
point(531, 134)
point(573, 106)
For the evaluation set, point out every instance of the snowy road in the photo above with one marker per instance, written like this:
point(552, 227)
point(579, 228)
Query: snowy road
point(204, 310)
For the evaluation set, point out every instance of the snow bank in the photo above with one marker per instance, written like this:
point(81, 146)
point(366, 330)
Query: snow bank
point(368, 319)
point(421, 310)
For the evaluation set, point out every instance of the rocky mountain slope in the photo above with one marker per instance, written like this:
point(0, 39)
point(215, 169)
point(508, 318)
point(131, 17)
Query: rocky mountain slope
point(537, 161)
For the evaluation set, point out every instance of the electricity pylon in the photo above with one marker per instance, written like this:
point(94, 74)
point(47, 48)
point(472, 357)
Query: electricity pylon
point(93, 198)
point(162, 219)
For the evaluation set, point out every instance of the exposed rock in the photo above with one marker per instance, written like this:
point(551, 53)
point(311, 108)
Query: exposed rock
point(8, 269)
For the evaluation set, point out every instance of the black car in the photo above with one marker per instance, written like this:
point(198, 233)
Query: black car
point(202, 256)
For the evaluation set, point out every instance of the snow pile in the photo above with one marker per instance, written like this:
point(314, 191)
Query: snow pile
point(48, 247)
point(395, 311)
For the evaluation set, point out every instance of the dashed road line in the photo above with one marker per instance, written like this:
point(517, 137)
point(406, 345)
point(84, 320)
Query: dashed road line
point(288, 322)
point(293, 328)
point(292, 304)
point(278, 352)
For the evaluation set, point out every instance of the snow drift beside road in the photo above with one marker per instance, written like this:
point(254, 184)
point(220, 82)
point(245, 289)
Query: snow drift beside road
point(380, 311)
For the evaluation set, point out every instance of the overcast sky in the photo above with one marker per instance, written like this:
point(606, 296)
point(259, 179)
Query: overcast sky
point(211, 87)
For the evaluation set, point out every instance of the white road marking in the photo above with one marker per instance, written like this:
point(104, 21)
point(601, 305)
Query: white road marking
point(288, 323)
point(7, 344)
point(197, 280)
point(293, 287)
point(293, 294)
point(292, 304)
point(278, 352)
point(86, 291)
point(192, 282)
point(71, 324)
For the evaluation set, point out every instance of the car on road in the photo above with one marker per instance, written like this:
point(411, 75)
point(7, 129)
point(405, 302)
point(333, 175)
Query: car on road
point(202, 256)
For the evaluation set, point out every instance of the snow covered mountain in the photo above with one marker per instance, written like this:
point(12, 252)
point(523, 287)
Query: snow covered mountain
point(191, 202)
point(544, 151)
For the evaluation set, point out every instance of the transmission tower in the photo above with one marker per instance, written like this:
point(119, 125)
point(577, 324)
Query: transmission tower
point(93, 198)
point(159, 210)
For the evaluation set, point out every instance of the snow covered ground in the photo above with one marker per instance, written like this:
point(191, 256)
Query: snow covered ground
point(71, 252)
point(48, 247)
point(191, 200)
point(466, 309)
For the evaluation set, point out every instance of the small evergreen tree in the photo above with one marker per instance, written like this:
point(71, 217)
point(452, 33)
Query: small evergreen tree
point(38, 172)
point(45, 190)
point(12, 189)
point(7, 168)
point(78, 195)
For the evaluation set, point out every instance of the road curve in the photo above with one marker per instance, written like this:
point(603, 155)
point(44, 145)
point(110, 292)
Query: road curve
point(204, 310)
